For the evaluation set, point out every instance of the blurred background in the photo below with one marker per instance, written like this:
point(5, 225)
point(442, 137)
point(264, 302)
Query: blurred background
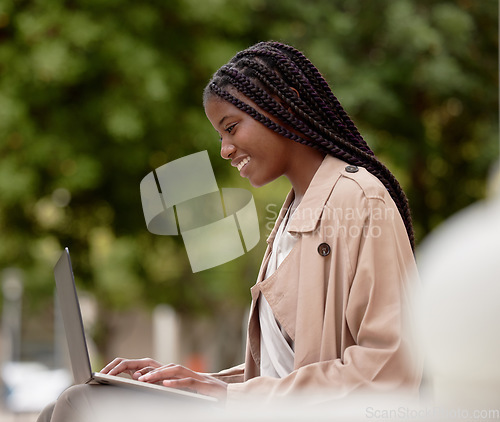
point(94, 94)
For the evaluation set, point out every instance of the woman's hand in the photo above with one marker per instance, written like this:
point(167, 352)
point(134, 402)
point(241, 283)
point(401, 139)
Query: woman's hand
point(134, 367)
point(177, 376)
point(174, 376)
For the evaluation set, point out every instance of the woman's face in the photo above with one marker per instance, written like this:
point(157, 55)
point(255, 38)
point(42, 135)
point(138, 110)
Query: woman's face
point(259, 154)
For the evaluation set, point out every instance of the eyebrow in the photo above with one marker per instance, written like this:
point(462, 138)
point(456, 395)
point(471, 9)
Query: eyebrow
point(222, 120)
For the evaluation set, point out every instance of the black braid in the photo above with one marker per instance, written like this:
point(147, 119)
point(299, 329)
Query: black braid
point(244, 85)
point(282, 90)
point(297, 79)
point(338, 112)
point(269, 71)
point(298, 106)
point(319, 81)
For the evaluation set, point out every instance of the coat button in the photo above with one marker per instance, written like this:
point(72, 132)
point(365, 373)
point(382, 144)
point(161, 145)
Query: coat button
point(351, 169)
point(324, 249)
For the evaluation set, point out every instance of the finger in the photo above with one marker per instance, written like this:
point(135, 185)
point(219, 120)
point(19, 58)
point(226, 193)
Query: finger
point(142, 372)
point(111, 365)
point(170, 372)
point(129, 365)
point(176, 372)
point(125, 366)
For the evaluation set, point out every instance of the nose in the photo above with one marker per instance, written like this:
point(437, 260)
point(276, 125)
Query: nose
point(227, 149)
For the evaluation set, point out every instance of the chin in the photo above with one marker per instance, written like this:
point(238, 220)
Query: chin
point(258, 183)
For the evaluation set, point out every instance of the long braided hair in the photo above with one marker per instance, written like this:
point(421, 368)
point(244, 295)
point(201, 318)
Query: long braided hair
point(282, 81)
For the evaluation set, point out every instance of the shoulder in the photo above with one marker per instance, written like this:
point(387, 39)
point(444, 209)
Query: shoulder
point(358, 187)
point(335, 176)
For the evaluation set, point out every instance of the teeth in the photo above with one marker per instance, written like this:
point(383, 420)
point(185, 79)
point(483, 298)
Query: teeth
point(242, 163)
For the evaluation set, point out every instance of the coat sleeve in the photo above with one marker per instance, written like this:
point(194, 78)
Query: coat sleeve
point(379, 359)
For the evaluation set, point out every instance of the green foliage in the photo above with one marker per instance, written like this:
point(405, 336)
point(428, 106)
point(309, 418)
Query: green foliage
point(94, 94)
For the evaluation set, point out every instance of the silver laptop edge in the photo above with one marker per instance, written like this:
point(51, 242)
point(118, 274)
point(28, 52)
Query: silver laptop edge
point(77, 344)
point(72, 319)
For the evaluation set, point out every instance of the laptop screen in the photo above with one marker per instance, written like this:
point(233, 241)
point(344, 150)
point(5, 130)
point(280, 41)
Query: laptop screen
point(72, 319)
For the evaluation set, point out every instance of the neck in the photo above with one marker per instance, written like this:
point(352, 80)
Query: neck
point(302, 168)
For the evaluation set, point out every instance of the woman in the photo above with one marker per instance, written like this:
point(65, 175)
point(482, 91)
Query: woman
point(329, 309)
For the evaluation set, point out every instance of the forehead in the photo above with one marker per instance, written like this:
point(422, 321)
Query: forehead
point(216, 109)
point(217, 106)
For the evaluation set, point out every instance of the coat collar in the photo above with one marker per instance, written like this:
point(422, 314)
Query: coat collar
point(310, 209)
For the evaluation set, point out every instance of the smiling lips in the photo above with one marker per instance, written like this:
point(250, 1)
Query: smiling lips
point(242, 163)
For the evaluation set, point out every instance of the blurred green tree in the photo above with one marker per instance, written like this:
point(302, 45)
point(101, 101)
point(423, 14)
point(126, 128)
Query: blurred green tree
point(94, 94)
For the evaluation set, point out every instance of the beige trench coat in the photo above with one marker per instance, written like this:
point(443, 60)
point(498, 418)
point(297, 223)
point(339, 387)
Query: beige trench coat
point(342, 294)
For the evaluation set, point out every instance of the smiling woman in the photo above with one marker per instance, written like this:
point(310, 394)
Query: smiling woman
point(330, 314)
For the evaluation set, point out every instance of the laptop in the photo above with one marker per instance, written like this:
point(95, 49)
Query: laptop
point(77, 344)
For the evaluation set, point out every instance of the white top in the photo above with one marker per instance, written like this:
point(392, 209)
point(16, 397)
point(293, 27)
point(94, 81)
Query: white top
point(276, 347)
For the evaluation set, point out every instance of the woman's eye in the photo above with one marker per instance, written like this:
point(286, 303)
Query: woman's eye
point(230, 128)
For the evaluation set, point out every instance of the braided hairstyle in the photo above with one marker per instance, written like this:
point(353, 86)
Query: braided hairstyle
point(283, 82)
